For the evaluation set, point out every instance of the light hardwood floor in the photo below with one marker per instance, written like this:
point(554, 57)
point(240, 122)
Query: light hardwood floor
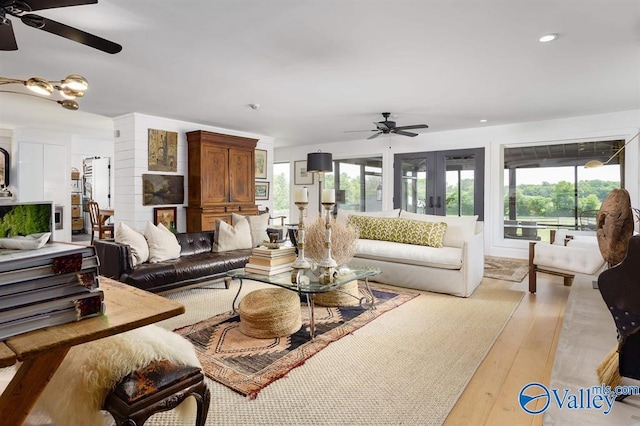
point(523, 353)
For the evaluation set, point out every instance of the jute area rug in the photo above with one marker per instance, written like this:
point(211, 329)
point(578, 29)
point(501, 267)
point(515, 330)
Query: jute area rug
point(408, 366)
point(505, 268)
point(247, 365)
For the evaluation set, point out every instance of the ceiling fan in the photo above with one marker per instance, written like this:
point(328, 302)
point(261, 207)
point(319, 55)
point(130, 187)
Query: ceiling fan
point(386, 126)
point(21, 9)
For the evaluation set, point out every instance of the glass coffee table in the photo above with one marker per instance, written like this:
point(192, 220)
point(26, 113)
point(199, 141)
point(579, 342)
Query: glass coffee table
point(309, 285)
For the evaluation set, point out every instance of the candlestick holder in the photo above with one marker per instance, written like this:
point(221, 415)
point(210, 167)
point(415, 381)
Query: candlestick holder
point(327, 265)
point(301, 262)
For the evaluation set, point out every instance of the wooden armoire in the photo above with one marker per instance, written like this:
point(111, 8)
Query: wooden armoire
point(221, 178)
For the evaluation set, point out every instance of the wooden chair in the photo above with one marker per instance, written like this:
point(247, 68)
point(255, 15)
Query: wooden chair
point(97, 223)
point(280, 228)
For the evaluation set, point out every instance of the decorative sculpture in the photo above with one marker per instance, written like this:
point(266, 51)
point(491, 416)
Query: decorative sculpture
point(615, 226)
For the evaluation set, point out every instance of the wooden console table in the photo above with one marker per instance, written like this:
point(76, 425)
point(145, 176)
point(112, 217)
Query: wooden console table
point(42, 351)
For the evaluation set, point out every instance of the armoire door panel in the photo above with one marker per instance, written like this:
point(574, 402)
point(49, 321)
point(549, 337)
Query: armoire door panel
point(215, 183)
point(241, 176)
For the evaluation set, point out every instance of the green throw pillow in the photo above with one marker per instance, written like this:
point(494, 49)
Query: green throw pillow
point(400, 230)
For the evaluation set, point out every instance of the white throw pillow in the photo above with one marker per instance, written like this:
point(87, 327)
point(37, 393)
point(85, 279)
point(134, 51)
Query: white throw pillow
point(343, 215)
point(459, 228)
point(163, 245)
point(258, 225)
point(229, 237)
point(135, 240)
point(29, 242)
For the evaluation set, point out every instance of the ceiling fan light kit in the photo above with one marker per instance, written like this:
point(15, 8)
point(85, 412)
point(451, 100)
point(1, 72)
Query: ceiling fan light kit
point(21, 9)
point(73, 86)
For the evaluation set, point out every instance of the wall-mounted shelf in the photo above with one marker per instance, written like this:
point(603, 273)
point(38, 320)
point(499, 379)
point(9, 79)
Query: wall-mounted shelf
point(77, 221)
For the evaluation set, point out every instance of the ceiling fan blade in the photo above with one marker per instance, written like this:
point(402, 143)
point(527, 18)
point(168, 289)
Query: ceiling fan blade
point(375, 135)
point(403, 133)
point(7, 37)
point(356, 131)
point(71, 33)
point(51, 4)
point(415, 126)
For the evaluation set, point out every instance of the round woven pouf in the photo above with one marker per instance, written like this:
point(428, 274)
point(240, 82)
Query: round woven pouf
point(269, 313)
point(349, 295)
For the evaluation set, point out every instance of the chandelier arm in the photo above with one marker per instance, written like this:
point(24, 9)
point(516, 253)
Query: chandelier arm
point(620, 150)
point(27, 94)
point(67, 103)
point(4, 80)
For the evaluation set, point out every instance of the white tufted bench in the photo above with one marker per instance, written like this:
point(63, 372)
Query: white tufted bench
point(570, 253)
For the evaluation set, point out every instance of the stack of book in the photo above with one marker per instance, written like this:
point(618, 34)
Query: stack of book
point(54, 285)
point(266, 261)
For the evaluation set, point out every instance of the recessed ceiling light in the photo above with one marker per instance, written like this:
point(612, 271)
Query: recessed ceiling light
point(547, 38)
point(483, 120)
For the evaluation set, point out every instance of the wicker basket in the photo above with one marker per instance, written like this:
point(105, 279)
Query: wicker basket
point(75, 174)
point(269, 313)
point(339, 298)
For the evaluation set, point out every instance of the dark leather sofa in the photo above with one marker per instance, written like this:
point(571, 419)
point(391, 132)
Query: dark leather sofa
point(197, 263)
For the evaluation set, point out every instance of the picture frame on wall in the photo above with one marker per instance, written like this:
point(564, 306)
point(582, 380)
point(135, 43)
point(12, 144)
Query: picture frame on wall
point(262, 190)
point(165, 216)
point(163, 151)
point(301, 176)
point(162, 189)
point(261, 163)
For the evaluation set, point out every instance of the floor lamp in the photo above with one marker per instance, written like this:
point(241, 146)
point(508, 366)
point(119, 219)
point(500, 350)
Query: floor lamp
point(320, 162)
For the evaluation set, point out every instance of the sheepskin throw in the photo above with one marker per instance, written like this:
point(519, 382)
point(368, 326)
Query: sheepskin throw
point(75, 394)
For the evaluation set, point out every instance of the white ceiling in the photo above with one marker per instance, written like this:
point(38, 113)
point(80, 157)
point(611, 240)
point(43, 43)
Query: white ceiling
point(320, 68)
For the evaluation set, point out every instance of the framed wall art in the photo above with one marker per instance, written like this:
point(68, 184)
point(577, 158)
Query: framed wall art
point(163, 151)
point(4, 168)
point(261, 163)
point(301, 175)
point(162, 189)
point(165, 216)
point(262, 190)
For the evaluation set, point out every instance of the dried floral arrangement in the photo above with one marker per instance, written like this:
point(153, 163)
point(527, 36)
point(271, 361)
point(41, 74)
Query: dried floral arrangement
point(343, 241)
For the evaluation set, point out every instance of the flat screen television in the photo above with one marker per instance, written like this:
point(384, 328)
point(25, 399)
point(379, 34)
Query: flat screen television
point(25, 218)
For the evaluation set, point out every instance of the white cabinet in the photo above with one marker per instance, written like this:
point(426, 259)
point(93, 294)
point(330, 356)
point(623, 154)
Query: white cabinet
point(43, 176)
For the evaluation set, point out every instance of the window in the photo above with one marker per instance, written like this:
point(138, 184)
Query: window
point(547, 187)
point(358, 183)
point(281, 190)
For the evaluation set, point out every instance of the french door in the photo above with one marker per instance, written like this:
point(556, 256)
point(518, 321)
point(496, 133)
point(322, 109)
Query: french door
point(445, 183)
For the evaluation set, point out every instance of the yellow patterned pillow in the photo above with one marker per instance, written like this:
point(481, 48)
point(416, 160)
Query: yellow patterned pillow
point(400, 230)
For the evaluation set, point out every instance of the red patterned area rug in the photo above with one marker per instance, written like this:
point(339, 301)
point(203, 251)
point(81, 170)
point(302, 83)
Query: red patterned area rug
point(247, 365)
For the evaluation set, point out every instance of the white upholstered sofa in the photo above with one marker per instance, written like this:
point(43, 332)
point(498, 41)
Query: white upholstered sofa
point(456, 268)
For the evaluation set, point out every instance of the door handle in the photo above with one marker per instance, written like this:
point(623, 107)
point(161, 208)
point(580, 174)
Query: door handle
point(438, 200)
point(430, 202)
